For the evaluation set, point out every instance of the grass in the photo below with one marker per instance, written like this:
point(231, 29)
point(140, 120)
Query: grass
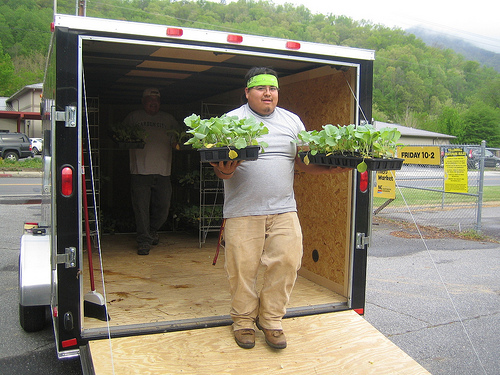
point(415, 197)
point(28, 164)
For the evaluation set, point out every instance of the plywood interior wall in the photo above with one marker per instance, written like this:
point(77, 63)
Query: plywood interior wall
point(324, 201)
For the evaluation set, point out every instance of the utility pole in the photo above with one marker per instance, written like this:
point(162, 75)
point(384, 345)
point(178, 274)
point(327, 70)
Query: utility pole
point(81, 8)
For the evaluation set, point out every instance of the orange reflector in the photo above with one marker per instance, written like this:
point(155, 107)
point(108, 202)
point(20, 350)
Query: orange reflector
point(234, 38)
point(363, 182)
point(292, 45)
point(67, 181)
point(359, 311)
point(172, 31)
point(68, 343)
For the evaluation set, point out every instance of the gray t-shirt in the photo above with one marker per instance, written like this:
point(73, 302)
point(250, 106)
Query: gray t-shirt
point(156, 156)
point(265, 186)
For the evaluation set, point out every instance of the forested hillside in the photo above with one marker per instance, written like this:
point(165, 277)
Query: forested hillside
point(414, 84)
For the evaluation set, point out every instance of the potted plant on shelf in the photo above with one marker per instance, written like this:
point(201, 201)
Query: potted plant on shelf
point(226, 137)
point(362, 147)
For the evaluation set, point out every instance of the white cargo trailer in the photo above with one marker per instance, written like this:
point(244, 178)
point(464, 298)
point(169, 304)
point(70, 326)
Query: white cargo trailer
point(169, 310)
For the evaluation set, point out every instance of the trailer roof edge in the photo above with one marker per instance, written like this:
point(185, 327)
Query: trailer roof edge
point(212, 36)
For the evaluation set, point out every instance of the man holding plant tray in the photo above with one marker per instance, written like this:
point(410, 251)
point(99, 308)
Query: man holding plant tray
point(261, 222)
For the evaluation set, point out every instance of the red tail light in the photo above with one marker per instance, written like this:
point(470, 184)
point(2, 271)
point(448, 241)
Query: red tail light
point(67, 181)
point(363, 182)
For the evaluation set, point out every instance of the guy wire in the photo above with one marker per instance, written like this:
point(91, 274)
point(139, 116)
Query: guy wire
point(441, 279)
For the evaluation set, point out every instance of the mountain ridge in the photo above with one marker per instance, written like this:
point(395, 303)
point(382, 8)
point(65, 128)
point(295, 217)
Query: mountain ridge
point(468, 50)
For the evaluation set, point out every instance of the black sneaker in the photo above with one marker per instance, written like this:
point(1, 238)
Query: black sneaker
point(143, 249)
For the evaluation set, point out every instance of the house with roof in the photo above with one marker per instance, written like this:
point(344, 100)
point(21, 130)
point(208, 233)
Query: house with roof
point(21, 111)
point(412, 136)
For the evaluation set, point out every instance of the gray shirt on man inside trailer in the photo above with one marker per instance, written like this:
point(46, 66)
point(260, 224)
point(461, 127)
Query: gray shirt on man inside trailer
point(156, 156)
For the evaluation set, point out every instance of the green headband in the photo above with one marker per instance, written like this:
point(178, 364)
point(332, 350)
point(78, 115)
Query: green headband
point(263, 80)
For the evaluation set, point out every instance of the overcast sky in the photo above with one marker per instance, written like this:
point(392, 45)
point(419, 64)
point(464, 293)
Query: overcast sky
point(476, 21)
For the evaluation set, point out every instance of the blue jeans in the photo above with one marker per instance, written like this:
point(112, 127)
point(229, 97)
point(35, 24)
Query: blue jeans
point(151, 196)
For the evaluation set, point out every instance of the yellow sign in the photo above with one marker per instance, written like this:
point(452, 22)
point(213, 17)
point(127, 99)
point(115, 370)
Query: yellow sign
point(455, 171)
point(386, 185)
point(430, 155)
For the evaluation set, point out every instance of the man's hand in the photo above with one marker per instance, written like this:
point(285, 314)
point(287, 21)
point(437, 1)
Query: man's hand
point(225, 170)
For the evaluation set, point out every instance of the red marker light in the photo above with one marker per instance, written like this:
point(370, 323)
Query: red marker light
point(293, 45)
point(172, 31)
point(363, 182)
point(234, 38)
point(67, 181)
point(52, 27)
point(68, 343)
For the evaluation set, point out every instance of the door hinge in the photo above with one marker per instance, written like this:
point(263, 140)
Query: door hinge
point(68, 116)
point(68, 258)
point(362, 241)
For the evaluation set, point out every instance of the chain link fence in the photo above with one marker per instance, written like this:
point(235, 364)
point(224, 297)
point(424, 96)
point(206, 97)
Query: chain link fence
point(421, 191)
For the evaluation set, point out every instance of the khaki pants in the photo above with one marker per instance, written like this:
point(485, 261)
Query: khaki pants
point(274, 241)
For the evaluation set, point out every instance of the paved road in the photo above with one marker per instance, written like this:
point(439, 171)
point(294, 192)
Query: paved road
point(438, 300)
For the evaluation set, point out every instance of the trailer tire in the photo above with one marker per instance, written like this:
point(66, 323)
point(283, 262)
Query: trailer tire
point(32, 318)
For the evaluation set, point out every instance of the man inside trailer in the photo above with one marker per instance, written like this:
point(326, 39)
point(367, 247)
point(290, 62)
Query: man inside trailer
point(260, 212)
point(150, 169)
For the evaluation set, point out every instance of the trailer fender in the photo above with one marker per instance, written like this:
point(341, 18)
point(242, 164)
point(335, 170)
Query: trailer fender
point(34, 270)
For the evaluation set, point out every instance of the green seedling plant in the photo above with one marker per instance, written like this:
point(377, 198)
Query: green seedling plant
point(225, 131)
point(128, 133)
point(363, 140)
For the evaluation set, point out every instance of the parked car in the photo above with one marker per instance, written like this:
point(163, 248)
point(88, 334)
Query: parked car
point(36, 145)
point(474, 158)
point(15, 146)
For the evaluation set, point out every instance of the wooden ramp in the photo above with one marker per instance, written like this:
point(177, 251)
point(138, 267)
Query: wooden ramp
point(333, 343)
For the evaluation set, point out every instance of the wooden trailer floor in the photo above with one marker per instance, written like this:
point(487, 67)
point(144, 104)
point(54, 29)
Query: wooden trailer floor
point(334, 343)
point(176, 281)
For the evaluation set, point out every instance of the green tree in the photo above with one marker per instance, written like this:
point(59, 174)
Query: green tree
point(7, 86)
point(481, 122)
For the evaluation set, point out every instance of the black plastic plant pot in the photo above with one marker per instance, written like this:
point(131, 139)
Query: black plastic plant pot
point(345, 161)
point(216, 154)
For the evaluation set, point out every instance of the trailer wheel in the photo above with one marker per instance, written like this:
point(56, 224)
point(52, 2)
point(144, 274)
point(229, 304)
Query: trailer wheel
point(32, 318)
